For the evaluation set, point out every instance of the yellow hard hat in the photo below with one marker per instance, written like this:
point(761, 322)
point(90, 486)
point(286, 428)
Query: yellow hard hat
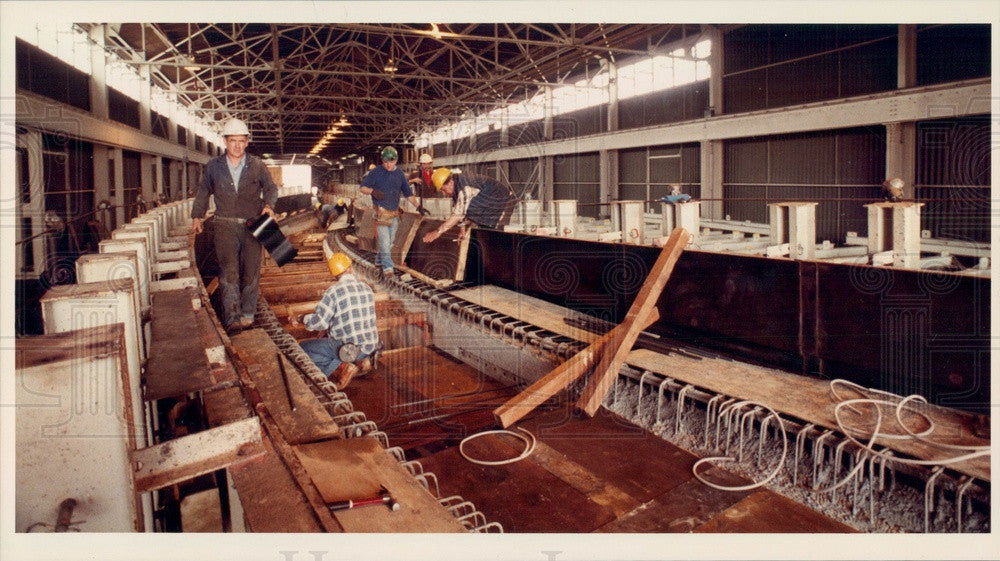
point(371, 167)
point(440, 177)
point(341, 201)
point(338, 263)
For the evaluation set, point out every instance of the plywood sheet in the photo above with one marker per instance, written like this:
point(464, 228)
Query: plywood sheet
point(356, 468)
point(177, 365)
point(522, 497)
point(444, 258)
point(271, 500)
point(310, 420)
point(683, 508)
point(769, 512)
point(608, 445)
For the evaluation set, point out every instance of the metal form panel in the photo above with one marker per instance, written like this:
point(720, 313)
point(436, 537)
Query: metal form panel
point(931, 331)
point(70, 395)
point(71, 307)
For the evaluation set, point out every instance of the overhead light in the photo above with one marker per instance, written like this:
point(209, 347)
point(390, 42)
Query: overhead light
point(343, 121)
point(435, 32)
point(390, 67)
point(189, 64)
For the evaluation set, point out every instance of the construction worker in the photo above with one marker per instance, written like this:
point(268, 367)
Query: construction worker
point(347, 314)
point(386, 184)
point(243, 190)
point(475, 198)
point(421, 177)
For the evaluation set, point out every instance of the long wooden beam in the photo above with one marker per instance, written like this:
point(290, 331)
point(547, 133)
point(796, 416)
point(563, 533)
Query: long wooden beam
point(635, 321)
point(559, 378)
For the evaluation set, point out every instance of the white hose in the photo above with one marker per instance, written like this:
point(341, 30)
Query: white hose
point(529, 447)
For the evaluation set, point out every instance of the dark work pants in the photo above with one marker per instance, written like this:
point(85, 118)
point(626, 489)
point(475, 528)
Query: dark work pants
point(239, 255)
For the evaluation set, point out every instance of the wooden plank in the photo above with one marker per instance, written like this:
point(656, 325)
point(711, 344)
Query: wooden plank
point(309, 421)
point(405, 237)
point(607, 445)
point(809, 399)
point(441, 258)
point(177, 364)
point(683, 508)
point(225, 406)
point(365, 228)
point(356, 468)
point(270, 498)
point(528, 308)
point(769, 512)
point(635, 322)
point(561, 377)
point(418, 275)
point(523, 496)
point(196, 454)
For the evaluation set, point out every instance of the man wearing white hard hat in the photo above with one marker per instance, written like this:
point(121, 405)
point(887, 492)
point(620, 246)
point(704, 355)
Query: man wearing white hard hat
point(421, 177)
point(243, 190)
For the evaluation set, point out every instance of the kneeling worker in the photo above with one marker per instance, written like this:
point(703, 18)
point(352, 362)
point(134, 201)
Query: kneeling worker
point(482, 200)
point(347, 313)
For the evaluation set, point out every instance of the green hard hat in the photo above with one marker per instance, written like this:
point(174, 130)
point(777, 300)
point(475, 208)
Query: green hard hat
point(389, 154)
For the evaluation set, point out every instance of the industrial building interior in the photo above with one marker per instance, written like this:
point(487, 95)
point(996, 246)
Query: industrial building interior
point(745, 287)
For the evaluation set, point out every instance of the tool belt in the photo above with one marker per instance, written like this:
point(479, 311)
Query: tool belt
point(385, 217)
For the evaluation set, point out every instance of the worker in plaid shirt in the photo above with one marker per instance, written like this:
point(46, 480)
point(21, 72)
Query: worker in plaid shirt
point(347, 312)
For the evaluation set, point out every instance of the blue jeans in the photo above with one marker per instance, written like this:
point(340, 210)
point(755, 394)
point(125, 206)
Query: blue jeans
point(386, 235)
point(324, 351)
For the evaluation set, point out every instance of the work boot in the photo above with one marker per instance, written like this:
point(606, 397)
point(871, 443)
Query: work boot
point(343, 374)
point(364, 367)
point(234, 328)
point(246, 322)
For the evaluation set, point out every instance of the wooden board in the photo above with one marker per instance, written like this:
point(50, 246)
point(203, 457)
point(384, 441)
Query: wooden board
point(683, 508)
point(769, 512)
point(177, 365)
point(196, 454)
point(543, 314)
point(409, 222)
point(225, 406)
point(607, 445)
point(309, 421)
point(444, 258)
point(271, 500)
point(635, 321)
point(355, 468)
point(523, 496)
point(563, 375)
point(806, 398)
point(800, 396)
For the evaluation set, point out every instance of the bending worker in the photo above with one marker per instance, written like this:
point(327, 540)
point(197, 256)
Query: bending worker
point(347, 313)
point(475, 198)
point(243, 190)
point(386, 184)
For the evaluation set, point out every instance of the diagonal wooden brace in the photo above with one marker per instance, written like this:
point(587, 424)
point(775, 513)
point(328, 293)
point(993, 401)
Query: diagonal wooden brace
point(559, 378)
point(635, 321)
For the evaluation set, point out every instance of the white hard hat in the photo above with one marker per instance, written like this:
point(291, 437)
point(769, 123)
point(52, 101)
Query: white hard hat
point(425, 158)
point(235, 127)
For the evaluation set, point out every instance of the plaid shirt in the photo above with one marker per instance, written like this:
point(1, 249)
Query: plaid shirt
point(347, 311)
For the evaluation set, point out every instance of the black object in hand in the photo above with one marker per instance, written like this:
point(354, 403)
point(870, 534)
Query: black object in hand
point(377, 194)
point(423, 211)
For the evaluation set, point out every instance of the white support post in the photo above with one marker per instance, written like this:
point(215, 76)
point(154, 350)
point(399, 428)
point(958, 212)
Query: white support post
point(666, 219)
point(688, 216)
point(564, 217)
point(138, 246)
point(531, 214)
point(633, 221)
point(795, 223)
point(895, 227)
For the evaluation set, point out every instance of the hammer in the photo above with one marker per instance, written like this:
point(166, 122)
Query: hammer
point(383, 498)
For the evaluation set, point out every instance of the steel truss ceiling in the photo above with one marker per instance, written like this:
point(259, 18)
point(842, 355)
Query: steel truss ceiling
point(290, 82)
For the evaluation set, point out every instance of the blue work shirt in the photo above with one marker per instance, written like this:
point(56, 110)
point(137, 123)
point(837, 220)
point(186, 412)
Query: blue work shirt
point(392, 183)
point(236, 170)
